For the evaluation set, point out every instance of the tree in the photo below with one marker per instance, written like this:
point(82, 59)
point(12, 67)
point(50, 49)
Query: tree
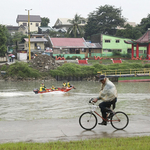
point(75, 30)
point(129, 32)
point(104, 20)
point(17, 37)
point(44, 22)
point(3, 40)
point(145, 24)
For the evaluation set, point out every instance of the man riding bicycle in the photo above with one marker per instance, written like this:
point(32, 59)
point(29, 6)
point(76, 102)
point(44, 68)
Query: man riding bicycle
point(108, 94)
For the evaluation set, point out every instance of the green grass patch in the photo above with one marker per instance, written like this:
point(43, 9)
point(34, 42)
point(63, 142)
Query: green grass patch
point(133, 143)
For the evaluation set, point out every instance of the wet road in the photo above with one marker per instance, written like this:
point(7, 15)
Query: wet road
point(46, 130)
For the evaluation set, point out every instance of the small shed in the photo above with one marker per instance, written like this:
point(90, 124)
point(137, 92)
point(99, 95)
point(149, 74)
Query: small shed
point(22, 55)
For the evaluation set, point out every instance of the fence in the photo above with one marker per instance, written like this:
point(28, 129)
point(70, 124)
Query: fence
point(121, 72)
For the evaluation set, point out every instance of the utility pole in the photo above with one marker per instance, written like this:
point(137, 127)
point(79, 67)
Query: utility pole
point(29, 32)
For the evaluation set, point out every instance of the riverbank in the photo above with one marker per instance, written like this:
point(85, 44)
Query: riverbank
point(45, 68)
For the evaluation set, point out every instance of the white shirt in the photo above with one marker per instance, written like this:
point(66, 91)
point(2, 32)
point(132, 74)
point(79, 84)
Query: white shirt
point(108, 91)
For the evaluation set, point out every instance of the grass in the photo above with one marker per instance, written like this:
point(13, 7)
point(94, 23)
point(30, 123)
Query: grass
point(132, 143)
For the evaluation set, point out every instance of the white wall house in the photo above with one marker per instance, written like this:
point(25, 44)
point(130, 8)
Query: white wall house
point(35, 21)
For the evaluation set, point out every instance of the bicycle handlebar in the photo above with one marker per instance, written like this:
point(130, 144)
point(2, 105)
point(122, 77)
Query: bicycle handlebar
point(91, 101)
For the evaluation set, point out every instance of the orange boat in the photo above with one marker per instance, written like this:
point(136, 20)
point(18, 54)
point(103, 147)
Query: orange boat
point(36, 91)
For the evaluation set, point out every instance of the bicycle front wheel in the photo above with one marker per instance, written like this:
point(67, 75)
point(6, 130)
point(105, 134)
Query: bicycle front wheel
point(119, 120)
point(88, 121)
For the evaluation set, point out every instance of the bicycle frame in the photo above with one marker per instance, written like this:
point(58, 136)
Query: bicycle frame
point(95, 107)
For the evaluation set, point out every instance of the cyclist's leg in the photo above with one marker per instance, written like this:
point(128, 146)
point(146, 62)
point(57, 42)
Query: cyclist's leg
point(113, 103)
point(103, 107)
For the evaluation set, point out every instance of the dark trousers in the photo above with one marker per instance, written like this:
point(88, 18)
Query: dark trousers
point(104, 105)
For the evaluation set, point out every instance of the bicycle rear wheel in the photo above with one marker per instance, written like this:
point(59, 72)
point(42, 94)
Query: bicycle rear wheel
point(119, 120)
point(88, 121)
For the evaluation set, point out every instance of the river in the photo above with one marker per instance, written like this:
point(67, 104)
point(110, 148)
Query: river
point(18, 102)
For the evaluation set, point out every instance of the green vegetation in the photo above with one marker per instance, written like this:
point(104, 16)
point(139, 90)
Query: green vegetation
point(20, 69)
point(104, 20)
point(23, 70)
point(75, 30)
point(44, 22)
point(3, 40)
point(134, 143)
point(70, 69)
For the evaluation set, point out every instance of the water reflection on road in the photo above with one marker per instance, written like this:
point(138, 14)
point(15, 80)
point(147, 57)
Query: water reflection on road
point(18, 102)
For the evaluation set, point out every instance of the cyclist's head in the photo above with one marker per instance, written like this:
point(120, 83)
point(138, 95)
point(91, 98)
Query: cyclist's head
point(102, 78)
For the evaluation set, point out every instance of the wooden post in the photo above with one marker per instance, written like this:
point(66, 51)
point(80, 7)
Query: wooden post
point(132, 51)
point(137, 50)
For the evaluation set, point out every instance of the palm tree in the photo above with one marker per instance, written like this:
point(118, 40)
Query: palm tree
point(75, 30)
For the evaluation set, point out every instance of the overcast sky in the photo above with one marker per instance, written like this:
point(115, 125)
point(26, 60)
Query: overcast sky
point(133, 10)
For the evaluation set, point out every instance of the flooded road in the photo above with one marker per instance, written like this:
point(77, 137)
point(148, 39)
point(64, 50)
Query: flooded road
point(18, 102)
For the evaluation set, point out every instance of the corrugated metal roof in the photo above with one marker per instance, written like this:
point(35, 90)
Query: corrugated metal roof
point(24, 18)
point(68, 42)
point(93, 45)
point(36, 39)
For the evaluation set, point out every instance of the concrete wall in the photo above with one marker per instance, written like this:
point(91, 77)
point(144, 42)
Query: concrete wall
point(3, 59)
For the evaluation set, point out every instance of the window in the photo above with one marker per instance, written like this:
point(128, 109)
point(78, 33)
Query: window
point(128, 50)
point(31, 23)
point(107, 41)
point(82, 21)
point(24, 24)
point(117, 50)
point(140, 51)
point(83, 50)
point(117, 41)
point(37, 24)
point(72, 51)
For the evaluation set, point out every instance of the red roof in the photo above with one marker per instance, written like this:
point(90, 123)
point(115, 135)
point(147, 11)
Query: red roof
point(68, 42)
point(144, 38)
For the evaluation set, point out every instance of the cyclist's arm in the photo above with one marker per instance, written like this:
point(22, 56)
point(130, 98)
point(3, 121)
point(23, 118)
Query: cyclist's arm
point(96, 99)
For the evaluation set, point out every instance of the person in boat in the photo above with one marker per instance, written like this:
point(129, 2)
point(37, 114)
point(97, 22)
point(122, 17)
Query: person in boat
point(53, 88)
point(69, 85)
point(43, 87)
point(64, 85)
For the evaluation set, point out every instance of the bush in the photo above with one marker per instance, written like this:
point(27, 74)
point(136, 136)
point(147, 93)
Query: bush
point(68, 57)
point(22, 70)
point(4, 68)
point(116, 53)
point(147, 66)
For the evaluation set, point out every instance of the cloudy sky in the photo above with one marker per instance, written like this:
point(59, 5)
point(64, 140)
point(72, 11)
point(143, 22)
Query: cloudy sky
point(133, 10)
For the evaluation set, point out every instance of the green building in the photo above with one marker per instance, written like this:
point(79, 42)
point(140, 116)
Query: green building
point(112, 43)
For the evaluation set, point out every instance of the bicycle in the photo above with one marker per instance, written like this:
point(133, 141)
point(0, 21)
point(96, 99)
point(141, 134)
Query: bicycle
point(88, 120)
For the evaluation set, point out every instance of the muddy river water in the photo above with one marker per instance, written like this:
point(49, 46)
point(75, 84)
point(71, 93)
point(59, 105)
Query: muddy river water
point(18, 102)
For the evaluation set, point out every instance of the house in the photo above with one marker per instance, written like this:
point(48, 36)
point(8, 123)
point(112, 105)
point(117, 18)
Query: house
point(37, 43)
point(73, 47)
point(133, 24)
point(112, 43)
point(51, 31)
point(44, 30)
point(13, 29)
point(35, 21)
point(62, 23)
